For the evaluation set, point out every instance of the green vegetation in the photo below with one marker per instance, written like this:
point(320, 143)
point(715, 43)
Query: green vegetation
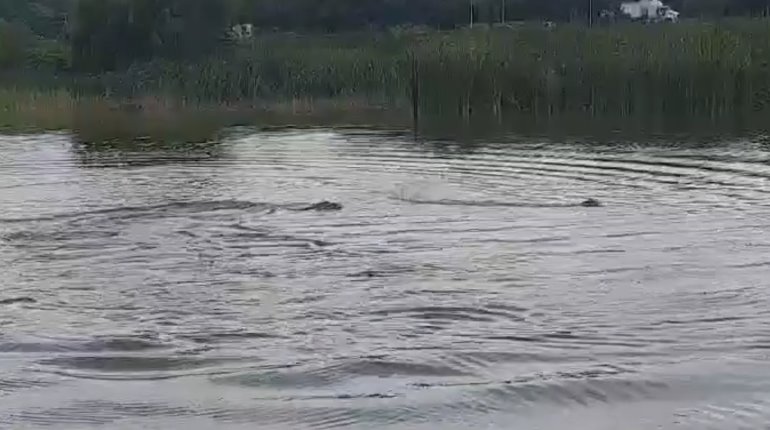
point(694, 68)
point(687, 69)
point(179, 52)
point(20, 109)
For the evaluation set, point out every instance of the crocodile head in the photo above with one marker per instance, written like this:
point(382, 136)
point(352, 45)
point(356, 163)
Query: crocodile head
point(324, 206)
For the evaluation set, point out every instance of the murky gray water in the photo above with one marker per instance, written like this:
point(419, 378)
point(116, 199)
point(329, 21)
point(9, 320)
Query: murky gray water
point(459, 287)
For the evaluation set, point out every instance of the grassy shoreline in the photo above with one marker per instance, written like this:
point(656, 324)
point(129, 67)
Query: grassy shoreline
point(101, 120)
point(699, 68)
point(643, 75)
point(95, 117)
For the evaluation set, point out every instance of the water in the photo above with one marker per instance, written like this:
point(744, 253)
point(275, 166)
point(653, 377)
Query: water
point(460, 286)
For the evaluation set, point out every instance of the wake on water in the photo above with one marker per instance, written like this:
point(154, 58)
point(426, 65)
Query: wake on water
point(434, 193)
point(493, 203)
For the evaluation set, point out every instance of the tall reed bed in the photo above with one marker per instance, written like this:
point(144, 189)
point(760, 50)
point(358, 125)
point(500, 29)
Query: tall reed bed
point(701, 69)
point(21, 108)
point(275, 69)
point(698, 69)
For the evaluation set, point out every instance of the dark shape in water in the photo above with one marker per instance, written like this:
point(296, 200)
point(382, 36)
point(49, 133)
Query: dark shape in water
point(591, 202)
point(323, 206)
point(13, 300)
point(365, 274)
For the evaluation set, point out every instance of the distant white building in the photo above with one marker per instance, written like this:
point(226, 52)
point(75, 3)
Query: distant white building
point(649, 10)
point(242, 31)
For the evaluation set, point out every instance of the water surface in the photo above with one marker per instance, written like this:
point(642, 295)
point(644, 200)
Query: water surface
point(175, 286)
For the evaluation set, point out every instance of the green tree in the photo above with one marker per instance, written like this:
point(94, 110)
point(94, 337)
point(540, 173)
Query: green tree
point(46, 18)
point(14, 42)
point(113, 34)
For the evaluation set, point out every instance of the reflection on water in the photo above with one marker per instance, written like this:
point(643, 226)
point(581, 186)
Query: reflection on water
point(170, 283)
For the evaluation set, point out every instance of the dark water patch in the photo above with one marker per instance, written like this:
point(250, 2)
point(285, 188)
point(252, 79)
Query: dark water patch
point(241, 236)
point(524, 241)
point(307, 376)
point(175, 209)
point(515, 338)
point(449, 312)
point(699, 321)
point(214, 337)
point(10, 384)
point(17, 300)
point(632, 234)
point(599, 251)
point(396, 270)
point(131, 368)
point(594, 374)
point(38, 184)
point(59, 236)
point(304, 299)
point(99, 344)
point(62, 416)
point(583, 342)
point(344, 396)
point(750, 265)
point(125, 364)
point(368, 274)
point(152, 211)
point(123, 344)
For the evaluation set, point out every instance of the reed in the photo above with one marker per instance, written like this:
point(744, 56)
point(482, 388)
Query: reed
point(656, 72)
point(22, 109)
point(99, 119)
point(690, 69)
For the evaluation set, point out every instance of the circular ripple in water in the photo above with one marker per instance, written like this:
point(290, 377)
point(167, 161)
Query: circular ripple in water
point(457, 287)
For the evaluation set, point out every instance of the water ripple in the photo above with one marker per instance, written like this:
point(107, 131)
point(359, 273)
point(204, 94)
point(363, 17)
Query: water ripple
point(456, 286)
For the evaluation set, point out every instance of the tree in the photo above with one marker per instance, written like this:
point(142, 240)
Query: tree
point(46, 18)
point(14, 40)
point(112, 34)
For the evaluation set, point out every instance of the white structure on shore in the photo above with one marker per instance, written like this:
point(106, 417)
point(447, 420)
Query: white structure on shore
point(241, 31)
point(649, 10)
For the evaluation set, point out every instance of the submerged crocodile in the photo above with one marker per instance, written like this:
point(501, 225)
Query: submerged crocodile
point(325, 205)
point(181, 207)
point(322, 206)
point(591, 203)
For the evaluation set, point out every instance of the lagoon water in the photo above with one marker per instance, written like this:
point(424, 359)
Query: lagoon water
point(175, 285)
